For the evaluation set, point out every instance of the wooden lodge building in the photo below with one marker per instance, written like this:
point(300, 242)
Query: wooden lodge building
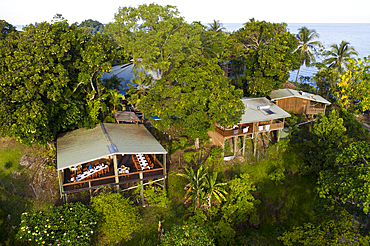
point(260, 116)
point(108, 154)
point(299, 102)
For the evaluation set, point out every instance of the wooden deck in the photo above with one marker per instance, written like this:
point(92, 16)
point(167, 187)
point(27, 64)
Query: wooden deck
point(109, 177)
point(245, 129)
point(272, 126)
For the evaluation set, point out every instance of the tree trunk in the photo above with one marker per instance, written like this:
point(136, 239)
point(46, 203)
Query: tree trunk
point(296, 78)
point(196, 143)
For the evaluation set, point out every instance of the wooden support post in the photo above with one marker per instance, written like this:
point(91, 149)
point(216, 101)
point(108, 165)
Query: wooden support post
point(60, 183)
point(324, 108)
point(90, 188)
point(255, 143)
point(141, 188)
point(244, 145)
point(235, 143)
point(115, 163)
point(278, 135)
point(164, 169)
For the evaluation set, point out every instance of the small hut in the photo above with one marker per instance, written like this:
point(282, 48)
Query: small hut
point(299, 102)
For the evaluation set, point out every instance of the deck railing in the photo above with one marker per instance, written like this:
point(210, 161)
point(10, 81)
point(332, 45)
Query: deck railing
point(234, 132)
point(269, 127)
point(313, 110)
point(128, 177)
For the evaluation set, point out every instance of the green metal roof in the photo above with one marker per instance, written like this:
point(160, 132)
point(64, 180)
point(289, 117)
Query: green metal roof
point(286, 93)
point(133, 139)
point(252, 113)
point(85, 145)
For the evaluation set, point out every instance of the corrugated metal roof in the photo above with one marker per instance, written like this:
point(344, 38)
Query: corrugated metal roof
point(133, 139)
point(252, 112)
point(81, 146)
point(85, 145)
point(286, 93)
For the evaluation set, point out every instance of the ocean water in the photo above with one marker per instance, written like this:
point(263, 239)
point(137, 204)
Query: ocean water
point(357, 34)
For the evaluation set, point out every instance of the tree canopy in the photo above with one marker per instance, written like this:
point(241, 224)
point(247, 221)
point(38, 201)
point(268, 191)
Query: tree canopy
point(306, 44)
point(91, 27)
point(5, 29)
point(339, 56)
point(51, 80)
point(268, 54)
point(191, 90)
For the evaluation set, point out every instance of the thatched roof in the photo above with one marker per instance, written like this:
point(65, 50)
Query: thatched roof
point(288, 85)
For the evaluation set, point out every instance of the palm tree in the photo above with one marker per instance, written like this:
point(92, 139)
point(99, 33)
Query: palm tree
point(215, 190)
point(306, 45)
point(116, 99)
point(340, 55)
point(195, 189)
point(216, 26)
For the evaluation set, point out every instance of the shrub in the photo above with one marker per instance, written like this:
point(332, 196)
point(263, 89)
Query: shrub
point(119, 217)
point(8, 164)
point(187, 235)
point(72, 223)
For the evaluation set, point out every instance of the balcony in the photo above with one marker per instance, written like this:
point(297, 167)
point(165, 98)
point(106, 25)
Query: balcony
point(108, 178)
point(265, 127)
point(244, 129)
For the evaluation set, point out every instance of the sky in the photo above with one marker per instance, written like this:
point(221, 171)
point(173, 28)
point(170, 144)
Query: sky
point(23, 12)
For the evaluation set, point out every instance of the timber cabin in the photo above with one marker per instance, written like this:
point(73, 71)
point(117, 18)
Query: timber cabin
point(299, 102)
point(109, 154)
point(260, 116)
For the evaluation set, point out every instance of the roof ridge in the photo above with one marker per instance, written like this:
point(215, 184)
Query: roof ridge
point(111, 146)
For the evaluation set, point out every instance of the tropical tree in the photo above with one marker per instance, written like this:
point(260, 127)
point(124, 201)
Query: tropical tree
point(5, 29)
point(216, 26)
point(352, 89)
point(51, 80)
point(195, 189)
point(306, 44)
point(91, 27)
point(240, 201)
point(325, 79)
point(115, 99)
point(191, 92)
point(214, 189)
point(267, 51)
point(340, 56)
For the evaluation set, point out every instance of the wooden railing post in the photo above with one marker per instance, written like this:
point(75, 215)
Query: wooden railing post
point(116, 179)
point(141, 188)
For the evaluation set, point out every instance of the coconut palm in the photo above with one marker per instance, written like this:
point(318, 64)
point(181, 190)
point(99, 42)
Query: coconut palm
point(340, 55)
point(216, 26)
point(215, 190)
point(306, 45)
point(195, 189)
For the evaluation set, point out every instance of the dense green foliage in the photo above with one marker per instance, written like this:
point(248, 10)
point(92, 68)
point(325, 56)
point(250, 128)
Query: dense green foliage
point(307, 46)
point(339, 56)
point(51, 80)
point(91, 27)
point(72, 223)
point(267, 54)
point(5, 29)
point(119, 218)
point(187, 235)
point(190, 89)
